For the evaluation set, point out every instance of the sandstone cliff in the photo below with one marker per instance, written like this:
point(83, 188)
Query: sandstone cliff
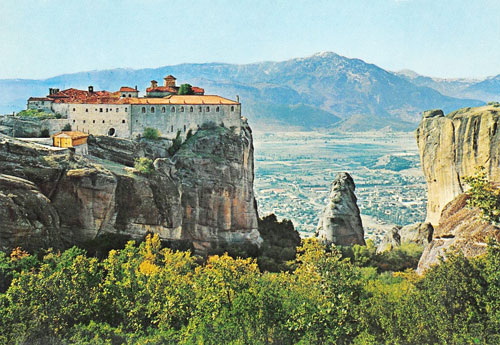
point(460, 227)
point(452, 146)
point(418, 233)
point(203, 194)
point(340, 222)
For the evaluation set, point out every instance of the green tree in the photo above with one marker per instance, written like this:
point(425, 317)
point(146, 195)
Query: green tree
point(483, 195)
point(176, 144)
point(186, 89)
point(67, 127)
point(151, 133)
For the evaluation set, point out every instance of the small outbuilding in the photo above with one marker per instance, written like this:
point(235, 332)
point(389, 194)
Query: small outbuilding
point(72, 139)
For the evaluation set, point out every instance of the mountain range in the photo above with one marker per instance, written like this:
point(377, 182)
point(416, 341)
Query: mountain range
point(325, 91)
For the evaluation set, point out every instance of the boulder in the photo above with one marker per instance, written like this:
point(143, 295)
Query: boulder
point(418, 233)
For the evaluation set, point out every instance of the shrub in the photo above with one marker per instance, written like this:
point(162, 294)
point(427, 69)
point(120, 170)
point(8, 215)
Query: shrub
point(176, 144)
point(144, 166)
point(67, 127)
point(151, 133)
point(483, 195)
point(36, 113)
point(44, 133)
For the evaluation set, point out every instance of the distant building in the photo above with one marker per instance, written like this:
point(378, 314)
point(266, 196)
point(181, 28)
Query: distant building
point(124, 114)
point(71, 139)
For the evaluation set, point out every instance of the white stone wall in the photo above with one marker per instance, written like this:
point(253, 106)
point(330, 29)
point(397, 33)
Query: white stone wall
point(100, 119)
point(169, 119)
point(40, 105)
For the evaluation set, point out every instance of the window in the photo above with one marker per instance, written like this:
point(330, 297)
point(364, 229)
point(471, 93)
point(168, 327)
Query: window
point(182, 109)
point(171, 128)
point(143, 110)
point(163, 109)
point(83, 121)
point(103, 121)
point(184, 128)
point(232, 108)
point(74, 109)
point(116, 109)
point(152, 109)
point(217, 109)
point(93, 121)
point(106, 109)
point(172, 109)
point(73, 121)
point(200, 109)
point(129, 95)
point(87, 110)
point(100, 110)
point(123, 121)
point(126, 109)
point(208, 108)
point(191, 109)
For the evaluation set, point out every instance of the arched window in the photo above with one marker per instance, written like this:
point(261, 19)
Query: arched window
point(208, 108)
point(129, 95)
point(184, 128)
point(126, 109)
point(172, 109)
point(83, 121)
point(182, 109)
point(217, 109)
point(87, 110)
point(152, 109)
point(200, 109)
point(103, 121)
point(116, 109)
point(93, 121)
point(143, 110)
point(74, 109)
point(123, 121)
point(232, 108)
point(171, 128)
point(163, 109)
point(191, 109)
point(73, 121)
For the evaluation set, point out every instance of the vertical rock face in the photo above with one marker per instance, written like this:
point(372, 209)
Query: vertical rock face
point(418, 233)
point(203, 194)
point(340, 222)
point(452, 147)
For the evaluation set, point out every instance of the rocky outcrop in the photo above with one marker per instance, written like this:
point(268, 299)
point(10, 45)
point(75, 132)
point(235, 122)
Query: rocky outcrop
point(460, 228)
point(452, 147)
point(203, 194)
point(340, 223)
point(418, 233)
point(29, 127)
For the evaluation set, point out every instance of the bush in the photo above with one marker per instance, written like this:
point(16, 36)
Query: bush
point(44, 133)
point(67, 127)
point(151, 133)
point(176, 144)
point(483, 195)
point(36, 113)
point(144, 166)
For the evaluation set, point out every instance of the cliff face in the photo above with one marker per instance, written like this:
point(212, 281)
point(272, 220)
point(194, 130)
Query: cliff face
point(203, 194)
point(460, 227)
point(452, 146)
point(340, 222)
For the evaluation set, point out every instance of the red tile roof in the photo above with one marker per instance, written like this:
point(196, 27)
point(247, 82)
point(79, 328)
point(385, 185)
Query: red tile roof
point(162, 89)
point(127, 89)
point(198, 90)
point(170, 77)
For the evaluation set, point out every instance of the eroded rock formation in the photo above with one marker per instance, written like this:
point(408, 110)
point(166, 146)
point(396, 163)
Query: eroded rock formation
point(461, 228)
point(418, 233)
point(340, 223)
point(452, 147)
point(203, 194)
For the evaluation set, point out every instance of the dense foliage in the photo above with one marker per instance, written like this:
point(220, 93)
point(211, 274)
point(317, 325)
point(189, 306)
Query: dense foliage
point(483, 195)
point(144, 166)
point(186, 89)
point(151, 133)
point(67, 127)
point(143, 294)
point(39, 114)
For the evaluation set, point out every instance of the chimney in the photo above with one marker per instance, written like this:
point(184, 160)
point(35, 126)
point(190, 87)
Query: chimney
point(91, 89)
point(51, 91)
point(136, 88)
point(238, 98)
point(154, 83)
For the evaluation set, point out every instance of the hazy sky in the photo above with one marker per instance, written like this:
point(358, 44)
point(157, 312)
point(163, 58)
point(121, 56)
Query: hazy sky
point(444, 38)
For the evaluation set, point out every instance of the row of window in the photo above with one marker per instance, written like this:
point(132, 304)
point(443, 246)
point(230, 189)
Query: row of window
point(102, 110)
point(181, 109)
point(93, 121)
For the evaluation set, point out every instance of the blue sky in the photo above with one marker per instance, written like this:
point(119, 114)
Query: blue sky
point(443, 38)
